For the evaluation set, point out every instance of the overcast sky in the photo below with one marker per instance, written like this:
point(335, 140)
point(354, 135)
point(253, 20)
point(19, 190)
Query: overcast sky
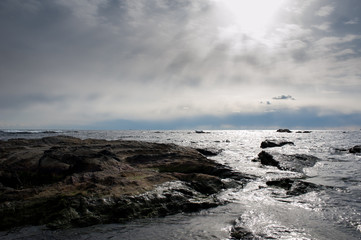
point(180, 64)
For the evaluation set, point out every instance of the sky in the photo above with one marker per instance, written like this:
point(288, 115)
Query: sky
point(180, 64)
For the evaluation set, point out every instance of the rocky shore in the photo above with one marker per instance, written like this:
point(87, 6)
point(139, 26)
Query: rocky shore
point(66, 182)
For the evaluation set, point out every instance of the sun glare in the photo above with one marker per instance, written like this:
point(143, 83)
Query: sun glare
point(250, 16)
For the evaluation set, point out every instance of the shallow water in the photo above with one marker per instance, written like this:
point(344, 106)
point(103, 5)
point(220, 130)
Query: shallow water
point(331, 212)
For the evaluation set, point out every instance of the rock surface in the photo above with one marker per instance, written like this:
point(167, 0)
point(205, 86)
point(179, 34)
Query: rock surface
point(294, 187)
point(67, 182)
point(209, 152)
point(275, 143)
point(294, 162)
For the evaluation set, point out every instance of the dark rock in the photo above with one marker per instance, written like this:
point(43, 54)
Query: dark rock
point(267, 159)
point(200, 131)
point(209, 152)
point(274, 143)
point(294, 162)
point(355, 149)
point(284, 130)
point(67, 182)
point(240, 233)
point(294, 187)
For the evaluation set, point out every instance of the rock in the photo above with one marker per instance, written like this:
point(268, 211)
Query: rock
point(355, 149)
point(240, 231)
point(274, 143)
point(209, 152)
point(294, 187)
point(65, 182)
point(294, 162)
point(284, 130)
point(267, 159)
point(303, 132)
point(200, 131)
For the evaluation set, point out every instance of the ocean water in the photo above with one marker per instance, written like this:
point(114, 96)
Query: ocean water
point(332, 211)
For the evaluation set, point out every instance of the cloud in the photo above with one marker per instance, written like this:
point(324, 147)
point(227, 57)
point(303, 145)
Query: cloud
point(324, 26)
point(82, 62)
point(352, 21)
point(325, 11)
point(284, 97)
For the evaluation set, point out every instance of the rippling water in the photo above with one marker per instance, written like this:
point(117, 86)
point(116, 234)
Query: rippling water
point(331, 212)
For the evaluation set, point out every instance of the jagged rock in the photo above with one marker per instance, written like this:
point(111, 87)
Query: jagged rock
point(284, 130)
point(67, 182)
point(355, 149)
point(275, 143)
point(294, 162)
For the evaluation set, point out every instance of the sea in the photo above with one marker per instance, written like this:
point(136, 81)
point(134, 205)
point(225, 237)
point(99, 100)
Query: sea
point(332, 211)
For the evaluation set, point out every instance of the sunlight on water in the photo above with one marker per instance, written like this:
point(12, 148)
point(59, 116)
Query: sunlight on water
point(330, 211)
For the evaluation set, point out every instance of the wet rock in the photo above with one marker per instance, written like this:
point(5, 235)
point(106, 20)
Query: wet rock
point(284, 130)
point(355, 149)
point(275, 143)
point(267, 159)
point(209, 152)
point(294, 162)
point(294, 187)
point(240, 233)
point(67, 182)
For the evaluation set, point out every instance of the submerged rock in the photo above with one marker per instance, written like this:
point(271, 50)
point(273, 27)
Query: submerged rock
point(294, 162)
point(355, 149)
point(67, 182)
point(275, 143)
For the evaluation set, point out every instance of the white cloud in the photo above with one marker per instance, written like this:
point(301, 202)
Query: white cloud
point(352, 21)
point(324, 26)
point(325, 11)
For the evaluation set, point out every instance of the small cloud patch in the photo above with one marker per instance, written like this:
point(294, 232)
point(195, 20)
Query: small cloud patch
point(284, 97)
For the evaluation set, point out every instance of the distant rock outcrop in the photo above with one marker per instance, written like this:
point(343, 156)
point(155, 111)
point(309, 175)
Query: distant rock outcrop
point(284, 130)
point(65, 182)
point(303, 132)
point(275, 143)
